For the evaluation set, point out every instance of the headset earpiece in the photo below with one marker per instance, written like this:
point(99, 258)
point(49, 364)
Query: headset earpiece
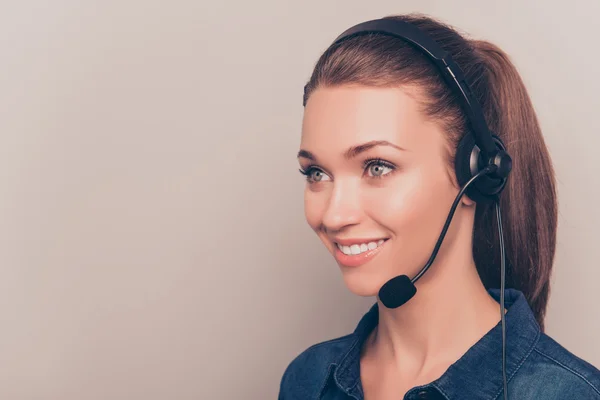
point(469, 161)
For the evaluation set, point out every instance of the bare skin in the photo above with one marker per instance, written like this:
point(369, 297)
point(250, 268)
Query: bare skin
point(405, 200)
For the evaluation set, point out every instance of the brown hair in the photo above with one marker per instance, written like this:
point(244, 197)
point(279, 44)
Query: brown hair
point(528, 203)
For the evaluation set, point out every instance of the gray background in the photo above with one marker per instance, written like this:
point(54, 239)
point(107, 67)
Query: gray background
point(153, 240)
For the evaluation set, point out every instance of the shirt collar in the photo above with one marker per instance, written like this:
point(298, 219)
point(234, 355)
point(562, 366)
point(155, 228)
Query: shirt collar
point(478, 373)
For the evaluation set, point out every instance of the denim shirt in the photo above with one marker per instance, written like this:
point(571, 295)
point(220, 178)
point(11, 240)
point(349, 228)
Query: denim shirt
point(537, 367)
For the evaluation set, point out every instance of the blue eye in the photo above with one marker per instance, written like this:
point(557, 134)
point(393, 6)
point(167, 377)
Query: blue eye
point(380, 167)
point(376, 168)
point(313, 174)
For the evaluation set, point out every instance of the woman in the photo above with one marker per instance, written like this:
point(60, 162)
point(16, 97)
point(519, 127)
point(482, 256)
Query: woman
point(380, 133)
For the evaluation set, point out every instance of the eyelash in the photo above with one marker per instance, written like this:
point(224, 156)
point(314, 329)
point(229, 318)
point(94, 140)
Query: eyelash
point(366, 164)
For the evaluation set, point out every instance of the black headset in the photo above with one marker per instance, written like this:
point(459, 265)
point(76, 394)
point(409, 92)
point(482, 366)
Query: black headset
point(482, 164)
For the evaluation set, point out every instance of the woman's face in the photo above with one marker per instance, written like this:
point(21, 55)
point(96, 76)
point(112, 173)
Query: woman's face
point(377, 172)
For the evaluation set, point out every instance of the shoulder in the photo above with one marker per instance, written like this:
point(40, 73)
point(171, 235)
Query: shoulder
point(551, 371)
point(306, 374)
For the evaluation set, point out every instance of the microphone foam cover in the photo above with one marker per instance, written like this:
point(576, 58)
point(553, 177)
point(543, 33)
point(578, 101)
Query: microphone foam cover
point(397, 291)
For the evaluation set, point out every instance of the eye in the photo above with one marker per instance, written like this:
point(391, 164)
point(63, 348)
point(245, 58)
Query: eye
point(378, 168)
point(313, 174)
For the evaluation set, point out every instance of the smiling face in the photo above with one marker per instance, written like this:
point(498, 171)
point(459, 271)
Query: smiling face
point(379, 187)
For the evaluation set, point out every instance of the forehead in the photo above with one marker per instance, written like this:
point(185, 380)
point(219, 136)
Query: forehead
point(342, 116)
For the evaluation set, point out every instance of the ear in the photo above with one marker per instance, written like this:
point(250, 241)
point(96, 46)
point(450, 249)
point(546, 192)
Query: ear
point(466, 201)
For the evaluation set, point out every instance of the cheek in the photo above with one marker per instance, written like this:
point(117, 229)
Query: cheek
point(413, 207)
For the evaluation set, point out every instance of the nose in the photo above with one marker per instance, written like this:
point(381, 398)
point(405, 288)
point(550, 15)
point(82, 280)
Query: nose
point(343, 208)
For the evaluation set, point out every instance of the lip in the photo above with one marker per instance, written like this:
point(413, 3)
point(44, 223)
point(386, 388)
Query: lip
point(359, 259)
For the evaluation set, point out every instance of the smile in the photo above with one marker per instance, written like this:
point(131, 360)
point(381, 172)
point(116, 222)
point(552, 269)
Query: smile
point(356, 254)
point(359, 248)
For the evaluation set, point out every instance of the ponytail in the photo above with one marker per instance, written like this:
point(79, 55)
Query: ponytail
point(529, 202)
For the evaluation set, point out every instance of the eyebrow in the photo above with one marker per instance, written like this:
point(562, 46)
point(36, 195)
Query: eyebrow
point(354, 150)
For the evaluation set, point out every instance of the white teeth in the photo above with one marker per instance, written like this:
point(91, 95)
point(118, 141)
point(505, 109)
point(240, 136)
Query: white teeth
point(359, 248)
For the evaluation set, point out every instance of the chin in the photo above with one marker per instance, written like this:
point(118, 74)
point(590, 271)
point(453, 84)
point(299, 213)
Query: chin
point(360, 283)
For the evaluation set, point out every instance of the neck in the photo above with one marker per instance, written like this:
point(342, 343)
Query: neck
point(450, 312)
